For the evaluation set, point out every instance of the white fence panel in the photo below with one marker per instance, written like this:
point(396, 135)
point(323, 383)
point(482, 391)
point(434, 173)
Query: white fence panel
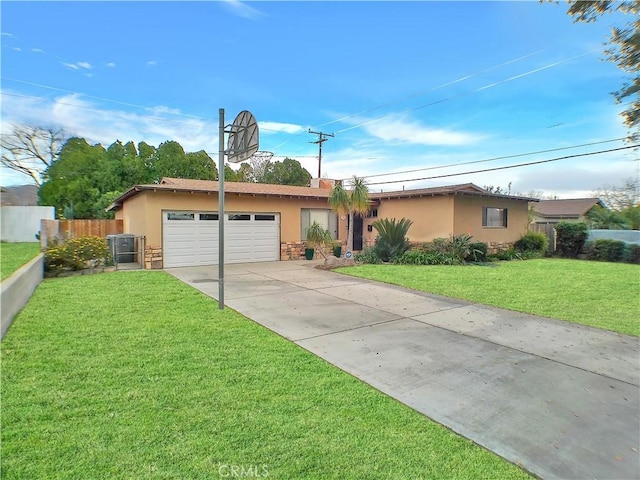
point(21, 224)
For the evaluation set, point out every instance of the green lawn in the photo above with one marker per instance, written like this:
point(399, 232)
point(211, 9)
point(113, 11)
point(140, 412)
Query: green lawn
point(14, 255)
point(136, 375)
point(599, 294)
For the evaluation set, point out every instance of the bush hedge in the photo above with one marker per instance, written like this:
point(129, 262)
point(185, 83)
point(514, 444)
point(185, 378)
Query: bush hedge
point(532, 242)
point(77, 254)
point(607, 250)
point(570, 238)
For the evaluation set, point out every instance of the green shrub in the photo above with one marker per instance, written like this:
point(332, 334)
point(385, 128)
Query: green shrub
point(632, 253)
point(392, 237)
point(424, 257)
point(368, 255)
point(77, 253)
point(455, 249)
point(511, 254)
point(605, 250)
point(532, 242)
point(478, 252)
point(570, 238)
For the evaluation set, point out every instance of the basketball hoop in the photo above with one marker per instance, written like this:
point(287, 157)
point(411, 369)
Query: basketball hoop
point(261, 156)
point(243, 137)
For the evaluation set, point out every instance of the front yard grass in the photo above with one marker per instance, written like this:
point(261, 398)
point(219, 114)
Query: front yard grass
point(598, 294)
point(136, 375)
point(14, 255)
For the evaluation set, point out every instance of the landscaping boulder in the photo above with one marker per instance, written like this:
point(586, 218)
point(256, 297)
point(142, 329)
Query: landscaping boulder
point(334, 262)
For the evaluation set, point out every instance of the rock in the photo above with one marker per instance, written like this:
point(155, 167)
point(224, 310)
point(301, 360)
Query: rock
point(334, 262)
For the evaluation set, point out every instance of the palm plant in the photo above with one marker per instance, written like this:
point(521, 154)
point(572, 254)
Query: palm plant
point(392, 237)
point(319, 238)
point(350, 202)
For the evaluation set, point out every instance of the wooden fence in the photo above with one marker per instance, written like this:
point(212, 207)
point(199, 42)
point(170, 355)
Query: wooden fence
point(549, 230)
point(51, 230)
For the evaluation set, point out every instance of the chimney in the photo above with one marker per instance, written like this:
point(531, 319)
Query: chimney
point(322, 183)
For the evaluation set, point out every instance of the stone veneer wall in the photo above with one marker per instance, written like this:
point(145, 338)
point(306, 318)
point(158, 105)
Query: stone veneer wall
point(495, 247)
point(292, 250)
point(152, 257)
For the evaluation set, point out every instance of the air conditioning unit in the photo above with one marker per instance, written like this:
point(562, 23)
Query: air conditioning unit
point(122, 247)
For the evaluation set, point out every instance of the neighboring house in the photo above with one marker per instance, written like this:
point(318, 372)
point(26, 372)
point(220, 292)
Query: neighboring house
point(565, 210)
point(19, 196)
point(179, 218)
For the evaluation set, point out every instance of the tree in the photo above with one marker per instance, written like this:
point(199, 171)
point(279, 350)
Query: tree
point(623, 50)
point(287, 172)
point(604, 218)
point(75, 183)
point(620, 197)
point(352, 202)
point(31, 150)
point(170, 160)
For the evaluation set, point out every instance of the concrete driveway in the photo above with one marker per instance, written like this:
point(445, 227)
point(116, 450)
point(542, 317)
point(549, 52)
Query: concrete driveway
point(561, 400)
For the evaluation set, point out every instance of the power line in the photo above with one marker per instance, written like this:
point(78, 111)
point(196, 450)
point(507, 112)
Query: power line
point(126, 104)
point(485, 87)
point(470, 92)
point(507, 166)
point(492, 159)
point(438, 87)
point(94, 109)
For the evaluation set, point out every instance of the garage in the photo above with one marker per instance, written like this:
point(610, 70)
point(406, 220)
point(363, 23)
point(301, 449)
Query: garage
point(190, 238)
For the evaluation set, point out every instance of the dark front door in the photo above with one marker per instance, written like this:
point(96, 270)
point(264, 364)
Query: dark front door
point(357, 233)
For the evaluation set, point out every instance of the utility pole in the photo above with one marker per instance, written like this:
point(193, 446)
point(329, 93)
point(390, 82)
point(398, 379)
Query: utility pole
point(321, 139)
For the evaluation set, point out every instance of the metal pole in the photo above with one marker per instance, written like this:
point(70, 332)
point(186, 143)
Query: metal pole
point(319, 159)
point(221, 211)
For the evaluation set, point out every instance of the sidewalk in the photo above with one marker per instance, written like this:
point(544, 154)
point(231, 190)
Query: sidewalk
point(561, 400)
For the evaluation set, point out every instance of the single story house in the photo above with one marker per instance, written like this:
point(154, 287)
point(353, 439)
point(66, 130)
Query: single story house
point(563, 210)
point(179, 218)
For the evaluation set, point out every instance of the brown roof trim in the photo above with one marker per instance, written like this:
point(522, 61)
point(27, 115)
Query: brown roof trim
point(464, 189)
point(176, 185)
point(235, 188)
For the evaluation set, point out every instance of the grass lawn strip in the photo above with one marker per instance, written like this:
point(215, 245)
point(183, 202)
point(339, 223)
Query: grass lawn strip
point(136, 375)
point(15, 255)
point(598, 294)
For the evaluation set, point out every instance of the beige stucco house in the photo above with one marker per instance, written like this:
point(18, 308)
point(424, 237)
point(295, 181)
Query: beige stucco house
point(179, 218)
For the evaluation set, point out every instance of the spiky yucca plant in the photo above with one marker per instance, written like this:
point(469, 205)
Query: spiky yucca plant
point(392, 237)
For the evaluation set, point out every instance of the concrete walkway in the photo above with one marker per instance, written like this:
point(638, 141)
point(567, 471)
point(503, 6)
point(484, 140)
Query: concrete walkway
point(559, 399)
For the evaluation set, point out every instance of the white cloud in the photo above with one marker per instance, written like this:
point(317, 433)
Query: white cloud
point(400, 130)
point(86, 119)
point(77, 65)
point(72, 66)
point(37, 50)
point(110, 65)
point(152, 63)
point(277, 127)
point(241, 9)
point(17, 49)
point(7, 34)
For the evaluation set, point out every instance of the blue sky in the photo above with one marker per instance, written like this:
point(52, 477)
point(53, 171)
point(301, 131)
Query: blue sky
point(403, 86)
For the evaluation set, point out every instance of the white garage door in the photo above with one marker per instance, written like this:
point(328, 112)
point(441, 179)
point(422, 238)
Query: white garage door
point(191, 238)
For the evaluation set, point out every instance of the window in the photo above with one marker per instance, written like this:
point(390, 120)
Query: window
point(239, 216)
point(327, 218)
point(180, 216)
point(494, 217)
point(208, 216)
point(373, 213)
point(264, 218)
